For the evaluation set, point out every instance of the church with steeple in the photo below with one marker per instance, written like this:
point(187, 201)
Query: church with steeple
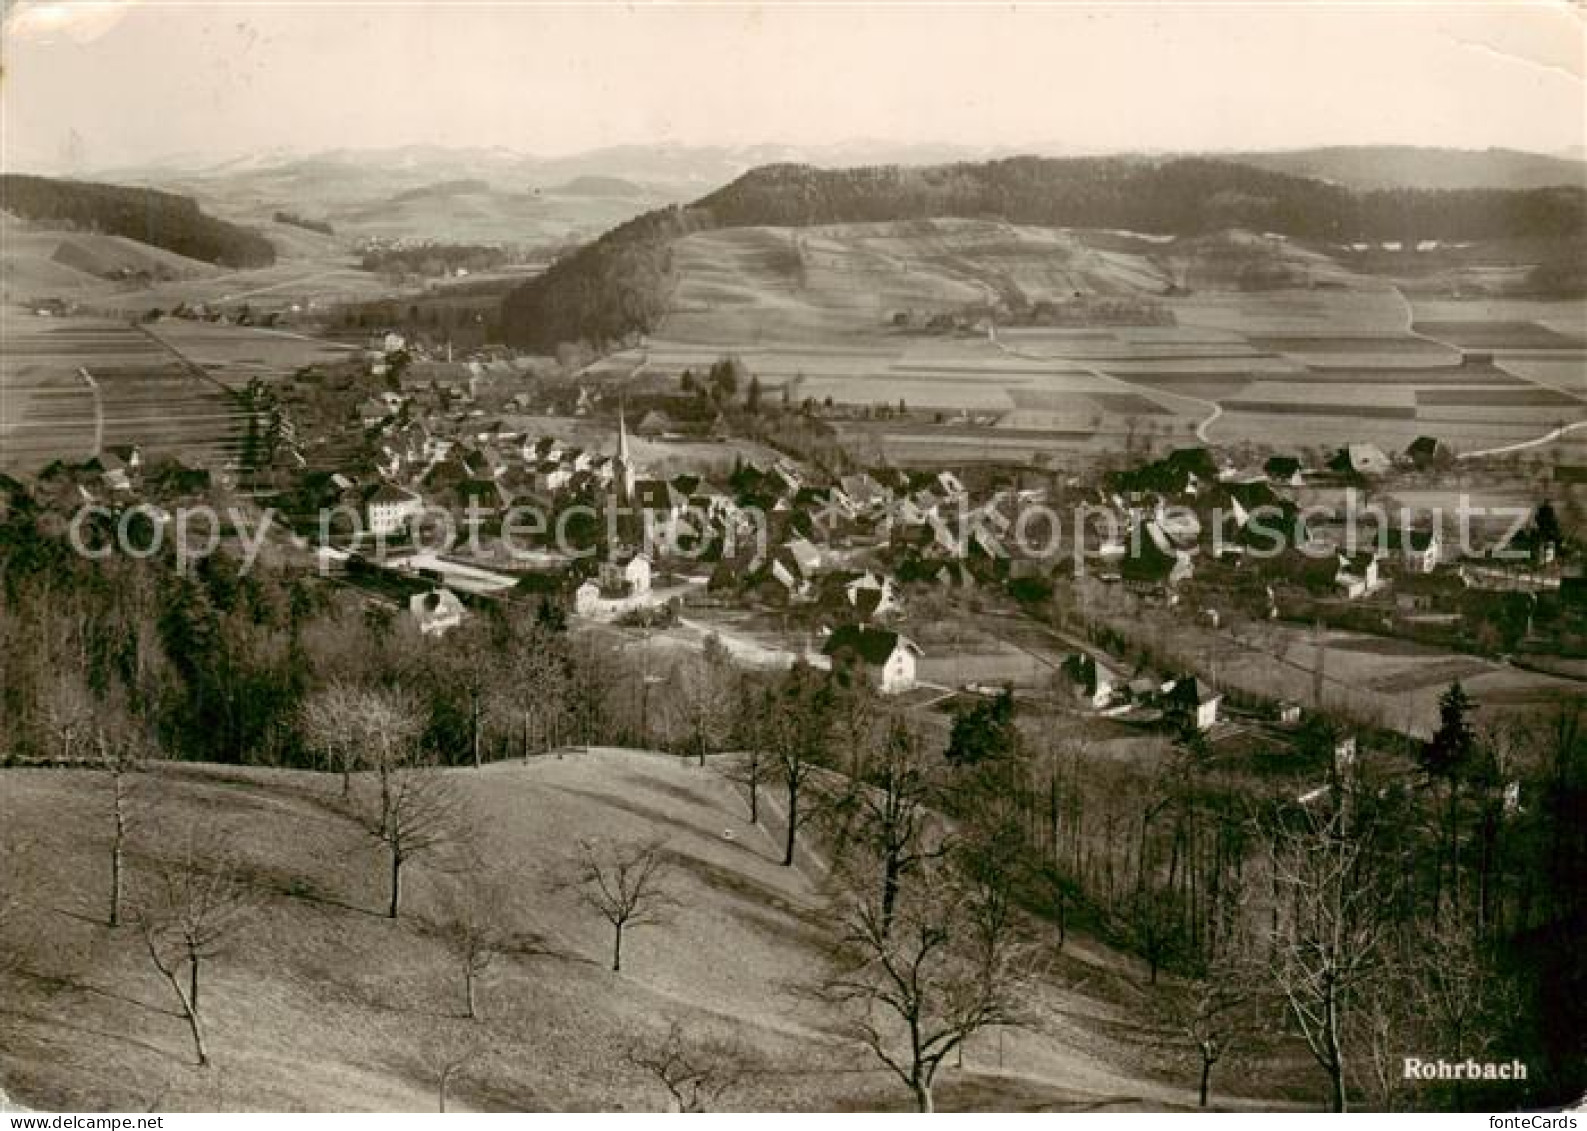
point(623, 464)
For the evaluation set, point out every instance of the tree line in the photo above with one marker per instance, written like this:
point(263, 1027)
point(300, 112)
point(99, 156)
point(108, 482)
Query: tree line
point(160, 219)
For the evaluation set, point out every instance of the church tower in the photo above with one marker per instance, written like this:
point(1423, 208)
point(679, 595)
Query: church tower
point(623, 463)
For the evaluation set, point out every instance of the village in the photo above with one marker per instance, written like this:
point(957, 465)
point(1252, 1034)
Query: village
point(431, 485)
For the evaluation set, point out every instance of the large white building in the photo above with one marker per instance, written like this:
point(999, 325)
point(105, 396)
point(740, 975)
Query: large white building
point(389, 508)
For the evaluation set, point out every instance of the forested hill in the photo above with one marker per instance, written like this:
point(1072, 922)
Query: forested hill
point(160, 219)
point(618, 284)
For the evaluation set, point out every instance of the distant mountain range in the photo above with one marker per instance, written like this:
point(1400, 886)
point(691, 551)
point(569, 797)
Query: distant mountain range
point(683, 172)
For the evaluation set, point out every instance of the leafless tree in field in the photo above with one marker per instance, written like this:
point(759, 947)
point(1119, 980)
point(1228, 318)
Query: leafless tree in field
point(1217, 1010)
point(476, 930)
point(197, 908)
point(627, 884)
point(354, 727)
point(949, 965)
point(417, 815)
point(1335, 910)
point(529, 696)
point(68, 713)
point(703, 699)
point(119, 752)
point(752, 767)
point(796, 731)
point(697, 1073)
point(882, 822)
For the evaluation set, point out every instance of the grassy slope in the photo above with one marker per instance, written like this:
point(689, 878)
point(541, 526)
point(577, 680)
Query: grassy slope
point(784, 283)
point(326, 1005)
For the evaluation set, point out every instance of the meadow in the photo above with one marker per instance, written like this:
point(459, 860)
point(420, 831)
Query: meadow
point(325, 1004)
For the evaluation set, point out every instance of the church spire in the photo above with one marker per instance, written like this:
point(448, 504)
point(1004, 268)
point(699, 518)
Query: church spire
point(624, 462)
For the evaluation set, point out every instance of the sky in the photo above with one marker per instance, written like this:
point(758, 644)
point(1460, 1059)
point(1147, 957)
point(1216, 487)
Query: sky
point(98, 84)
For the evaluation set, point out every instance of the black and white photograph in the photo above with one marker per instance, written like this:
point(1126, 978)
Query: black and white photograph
point(854, 557)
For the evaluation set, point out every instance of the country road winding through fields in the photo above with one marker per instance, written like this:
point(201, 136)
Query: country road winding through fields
point(1536, 442)
point(1214, 409)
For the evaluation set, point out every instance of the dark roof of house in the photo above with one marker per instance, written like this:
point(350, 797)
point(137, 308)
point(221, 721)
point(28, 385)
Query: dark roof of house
point(390, 493)
point(1418, 540)
point(1192, 690)
point(653, 422)
point(658, 494)
point(871, 645)
point(1281, 467)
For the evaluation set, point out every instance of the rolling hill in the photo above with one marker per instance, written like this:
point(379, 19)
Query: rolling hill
point(324, 1004)
point(160, 219)
point(35, 264)
point(618, 286)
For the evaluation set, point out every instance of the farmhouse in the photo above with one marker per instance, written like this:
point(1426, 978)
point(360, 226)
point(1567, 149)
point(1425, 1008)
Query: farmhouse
point(886, 658)
point(655, 423)
point(1196, 701)
point(625, 574)
point(388, 509)
point(1285, 471)
point(1359, 459)
point(1153, 559)
point(1357, 574)
point(1427, 451)
point(1418, 549)
point(1094, 681)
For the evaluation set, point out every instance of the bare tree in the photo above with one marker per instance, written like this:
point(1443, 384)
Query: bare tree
point(68, 712)
point(950, 966)
point(697, 1073)
point(796, 738)
point(354, 727)
point(464, 665)
point(1217, 1011)
point(476, 930)
point(195, 912)
point(530, 695)
point(417, 815)
point(118, 754)
point(626, 884)
point(1334, 909)
point(752, 767)
point(703, 699)
point(885, 814)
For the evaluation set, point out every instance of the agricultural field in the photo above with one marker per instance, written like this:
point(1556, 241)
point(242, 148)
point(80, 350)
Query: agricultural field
point(1393, 682)
point(70, 387)
point(1328, 358)
point(235, 355)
